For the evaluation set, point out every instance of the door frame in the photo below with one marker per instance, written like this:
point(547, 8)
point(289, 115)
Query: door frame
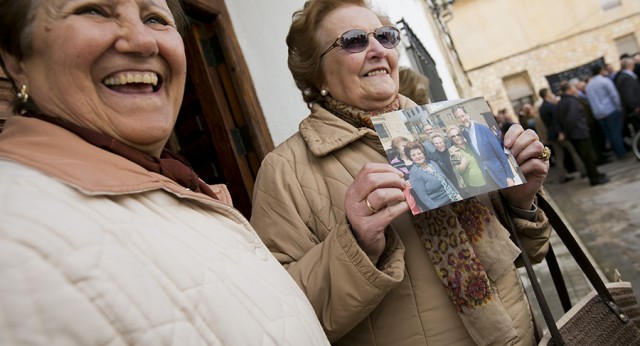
point(257, 125)
point(232, 126)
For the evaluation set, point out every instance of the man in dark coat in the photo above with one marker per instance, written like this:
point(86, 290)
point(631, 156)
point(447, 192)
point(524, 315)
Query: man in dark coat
point(629, 89)
point(556, 138)
point(572, 118)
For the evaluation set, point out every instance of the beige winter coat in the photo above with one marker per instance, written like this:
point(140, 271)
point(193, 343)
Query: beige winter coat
point(299, 213)
point(96, 250)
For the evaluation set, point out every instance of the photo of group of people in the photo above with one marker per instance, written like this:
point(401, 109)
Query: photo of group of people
point(448, 151)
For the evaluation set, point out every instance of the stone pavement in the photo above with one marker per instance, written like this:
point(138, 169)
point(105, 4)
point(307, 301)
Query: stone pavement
point(606, 220)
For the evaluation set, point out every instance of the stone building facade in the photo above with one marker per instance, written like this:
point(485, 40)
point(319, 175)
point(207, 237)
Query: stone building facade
point(512, 45)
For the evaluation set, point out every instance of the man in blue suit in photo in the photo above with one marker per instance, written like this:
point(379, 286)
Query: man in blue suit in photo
point(489, 151)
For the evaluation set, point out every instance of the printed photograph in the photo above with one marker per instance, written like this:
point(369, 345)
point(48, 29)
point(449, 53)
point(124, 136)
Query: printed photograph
point(448, 151)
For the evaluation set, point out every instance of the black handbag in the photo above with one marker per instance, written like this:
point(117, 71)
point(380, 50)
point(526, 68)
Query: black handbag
point(609, 315)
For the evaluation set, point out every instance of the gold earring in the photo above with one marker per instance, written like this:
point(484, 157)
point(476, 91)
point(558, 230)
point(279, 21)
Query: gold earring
point(324, 93)
point(23, 95)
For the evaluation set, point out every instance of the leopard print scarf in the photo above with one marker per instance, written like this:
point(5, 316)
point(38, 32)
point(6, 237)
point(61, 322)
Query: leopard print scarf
point(357, 117)
point(471, 251)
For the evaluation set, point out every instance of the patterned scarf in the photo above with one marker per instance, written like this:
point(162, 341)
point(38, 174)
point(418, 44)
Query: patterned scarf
point(471, 251)
point(356, 117)
point(468, 247)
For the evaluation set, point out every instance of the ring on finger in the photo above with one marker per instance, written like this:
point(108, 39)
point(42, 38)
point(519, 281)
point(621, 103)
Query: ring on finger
point(373, 210)
point(545, 155)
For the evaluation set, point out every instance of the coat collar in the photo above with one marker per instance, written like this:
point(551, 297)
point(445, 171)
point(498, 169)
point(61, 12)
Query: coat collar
point(325, 133)
point(63, 155)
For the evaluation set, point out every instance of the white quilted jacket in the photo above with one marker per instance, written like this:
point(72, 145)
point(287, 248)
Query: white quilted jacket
point(95, 250)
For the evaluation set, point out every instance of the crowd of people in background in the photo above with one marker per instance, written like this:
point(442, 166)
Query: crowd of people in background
point(591, 120)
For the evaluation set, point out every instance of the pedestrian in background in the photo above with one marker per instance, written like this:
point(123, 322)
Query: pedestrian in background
point(629, 88)
point(572, 118)
point(598, 138)
point(557, 139)
point(606, 107)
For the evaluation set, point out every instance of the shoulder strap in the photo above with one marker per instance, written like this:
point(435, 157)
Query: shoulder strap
point(579, 256)
point(542, 302)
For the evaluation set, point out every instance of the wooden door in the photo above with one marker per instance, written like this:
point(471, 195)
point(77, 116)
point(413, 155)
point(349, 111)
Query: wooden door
point(212, 131)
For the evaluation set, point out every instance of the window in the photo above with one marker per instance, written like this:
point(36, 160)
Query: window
point(422, 62)
point(519, 90)
point(381, 130)
point(609, 4)
point(627, 44)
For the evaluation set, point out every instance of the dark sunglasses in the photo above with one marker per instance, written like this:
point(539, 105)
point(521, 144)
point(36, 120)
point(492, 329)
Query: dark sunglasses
point(357, 40)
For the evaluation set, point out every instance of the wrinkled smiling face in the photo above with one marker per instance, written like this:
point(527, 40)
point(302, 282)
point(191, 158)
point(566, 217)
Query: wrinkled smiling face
point(117, 67)
point(367, 80)
point(439, 144)
point(456, 137)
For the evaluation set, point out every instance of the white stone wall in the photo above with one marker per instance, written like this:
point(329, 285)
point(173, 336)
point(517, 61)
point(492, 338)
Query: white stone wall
point(261, 27)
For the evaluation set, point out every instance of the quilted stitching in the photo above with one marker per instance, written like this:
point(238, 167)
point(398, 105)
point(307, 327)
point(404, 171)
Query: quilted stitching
point(124, 275)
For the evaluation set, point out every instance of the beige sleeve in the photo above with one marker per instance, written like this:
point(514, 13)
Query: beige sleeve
point(320, 252)
point(533, 233)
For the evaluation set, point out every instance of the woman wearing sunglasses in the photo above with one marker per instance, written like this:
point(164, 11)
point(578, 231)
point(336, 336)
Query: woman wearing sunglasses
point(333, 212)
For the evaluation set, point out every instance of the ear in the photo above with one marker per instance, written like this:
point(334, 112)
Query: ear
point(14, 68)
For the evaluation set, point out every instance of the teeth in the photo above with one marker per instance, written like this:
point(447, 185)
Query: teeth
point(376, 72)
point(125, 78)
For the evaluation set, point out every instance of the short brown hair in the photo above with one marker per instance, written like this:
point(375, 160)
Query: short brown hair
point(303, 47)
point(413, 146)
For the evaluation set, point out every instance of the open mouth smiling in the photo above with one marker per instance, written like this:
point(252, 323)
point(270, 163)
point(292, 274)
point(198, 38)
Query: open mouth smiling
point(376, 72)
point(138, 82)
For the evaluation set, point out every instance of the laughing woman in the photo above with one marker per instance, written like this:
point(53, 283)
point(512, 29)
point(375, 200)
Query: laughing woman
point(106, 238)
point(333, 211)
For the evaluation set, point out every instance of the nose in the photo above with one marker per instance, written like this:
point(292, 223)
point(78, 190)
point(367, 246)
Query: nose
point(375, 49)
point(137, 38)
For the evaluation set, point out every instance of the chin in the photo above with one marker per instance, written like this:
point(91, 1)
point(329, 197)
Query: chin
point(146, 137)
point(380, 100)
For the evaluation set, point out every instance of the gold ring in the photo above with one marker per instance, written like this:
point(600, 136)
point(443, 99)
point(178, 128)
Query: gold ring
point(545, 155)
point(373, 210)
